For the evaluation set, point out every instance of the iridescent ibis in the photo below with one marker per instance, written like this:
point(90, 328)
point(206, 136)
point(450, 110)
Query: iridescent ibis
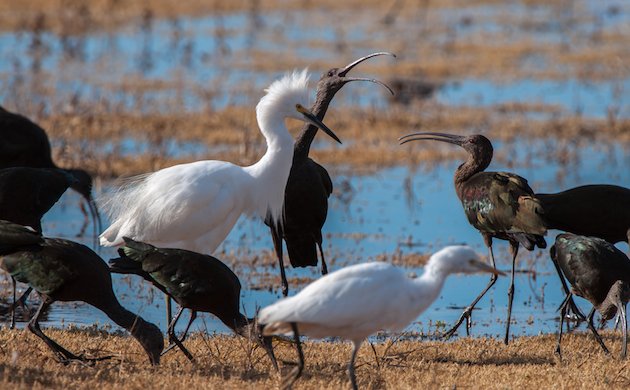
point(196, 282)
point(26, 194)
point(498, 204)
point(598, 210)
point(63, 270)
point(309, 186)
point(597, 272)
point(25, 144)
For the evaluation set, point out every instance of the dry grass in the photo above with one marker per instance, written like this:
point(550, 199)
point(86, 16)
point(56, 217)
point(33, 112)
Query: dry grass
point(229, 362)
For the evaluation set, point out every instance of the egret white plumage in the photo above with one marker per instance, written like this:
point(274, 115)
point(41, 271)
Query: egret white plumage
point(194, 206)
point(359, 300)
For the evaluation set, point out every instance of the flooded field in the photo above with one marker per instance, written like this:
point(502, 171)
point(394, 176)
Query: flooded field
point(549, 84)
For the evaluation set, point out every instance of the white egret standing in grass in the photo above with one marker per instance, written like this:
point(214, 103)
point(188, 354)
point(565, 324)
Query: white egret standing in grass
point(194, 206)
point(359, 300)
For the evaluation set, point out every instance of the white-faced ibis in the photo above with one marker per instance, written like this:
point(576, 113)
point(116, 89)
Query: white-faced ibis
point(498, 204)
point(194, 206)
point(26, 194)
point(598, 272)
point(196, 282)
point(25, 144)
point(63, 270)
point(309, 185)
point(598, 210)
point(357, 301)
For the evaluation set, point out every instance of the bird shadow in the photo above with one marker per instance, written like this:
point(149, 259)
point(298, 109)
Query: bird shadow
point(495, 360)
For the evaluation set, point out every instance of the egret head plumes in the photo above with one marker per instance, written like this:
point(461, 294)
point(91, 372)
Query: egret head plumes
point(288, 97)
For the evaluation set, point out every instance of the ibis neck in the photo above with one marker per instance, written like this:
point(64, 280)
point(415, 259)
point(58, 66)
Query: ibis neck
point(472, 166)
point(271, 172)
point(307, 135)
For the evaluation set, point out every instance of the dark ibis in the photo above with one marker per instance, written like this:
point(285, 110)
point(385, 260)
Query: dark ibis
point(26, 194)
point(498, 204)
point(196, 282)
point(25, 144)
point(598, 210)
point(63, 270)
point(309, 185)
point(597, 272)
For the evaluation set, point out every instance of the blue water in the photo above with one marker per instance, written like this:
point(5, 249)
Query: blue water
point(388, 210)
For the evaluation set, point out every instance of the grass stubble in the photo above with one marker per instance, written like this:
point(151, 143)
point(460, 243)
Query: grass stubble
point(229, 362)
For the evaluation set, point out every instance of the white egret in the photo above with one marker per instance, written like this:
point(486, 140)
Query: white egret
point(194, 206)
point(359, 300)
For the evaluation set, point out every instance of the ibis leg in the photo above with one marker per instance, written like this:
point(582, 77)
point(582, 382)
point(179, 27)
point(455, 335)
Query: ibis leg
point(169, 309)
point(589, 323)
point(172, 338)
point(300, 367)
point(514, 252)
point(267, 343)
point(21, 301)
point(193, 316)
point(63, 355)
point(466, 315)
point(353, 378)
point(277, 244)
point(624, 328)
point(563, 312)
point(321, 254)
point(572, 306)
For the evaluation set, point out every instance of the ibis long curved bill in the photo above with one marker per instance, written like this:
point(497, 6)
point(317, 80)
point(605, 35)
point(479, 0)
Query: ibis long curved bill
point(444, 137)
point(312, 119)
point(348, 68)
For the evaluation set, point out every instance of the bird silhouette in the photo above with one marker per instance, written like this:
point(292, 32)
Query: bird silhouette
point(598, 272)
point(63, 270)
point(25, 144)
point(196, 282)
point(498, 204)
point(309, 186)
point(357, 301)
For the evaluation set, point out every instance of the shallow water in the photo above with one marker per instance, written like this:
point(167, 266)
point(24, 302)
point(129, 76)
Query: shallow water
point(396, 210)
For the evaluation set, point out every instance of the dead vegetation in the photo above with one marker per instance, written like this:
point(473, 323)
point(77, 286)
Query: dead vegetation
point(229, 362)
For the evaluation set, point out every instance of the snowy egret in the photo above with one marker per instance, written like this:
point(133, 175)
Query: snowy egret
point(25, 144)
point(26, 194)
point(194, 206)
point(498, 204)
point(63, 270)
point(196, 282)
point(309, 185)
point(598, 272)
point(357, 301)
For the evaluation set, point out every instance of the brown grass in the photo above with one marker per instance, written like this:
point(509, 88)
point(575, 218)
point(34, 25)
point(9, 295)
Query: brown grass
point(229, 362)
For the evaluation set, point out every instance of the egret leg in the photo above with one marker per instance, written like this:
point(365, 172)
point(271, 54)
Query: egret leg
point(589, 322)
point(277, 244)
point(563, 312)
point(297, 372)
point(353, 378)
point(172, 338)
point(63, 355)
point(466, 315)
point(21, 301)
point(624, 328)
point(572, 306)
point(321, 254)
point(267, 343)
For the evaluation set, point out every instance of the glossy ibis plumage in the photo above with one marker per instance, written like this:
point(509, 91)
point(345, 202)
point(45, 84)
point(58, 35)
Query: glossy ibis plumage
point(357, 301)
point(598, 272)
point(196, 282)
point(63, 270)
point(26, 194)
point(498, 204)
point(23, 143)
point(194, 206)
point(309, 185)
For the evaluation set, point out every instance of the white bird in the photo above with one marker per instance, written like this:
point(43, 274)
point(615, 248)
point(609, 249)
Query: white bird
point(359, 300)
point(194, 206)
